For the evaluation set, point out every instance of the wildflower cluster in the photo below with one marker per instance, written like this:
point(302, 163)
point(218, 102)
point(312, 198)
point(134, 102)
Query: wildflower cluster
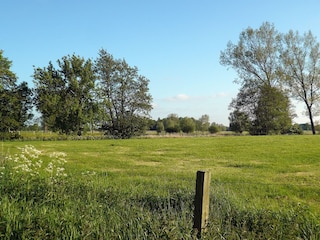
point(31, 162)
point(27, 162)
point(56, 166)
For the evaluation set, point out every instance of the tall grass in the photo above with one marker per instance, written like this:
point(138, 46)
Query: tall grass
point(144, 188)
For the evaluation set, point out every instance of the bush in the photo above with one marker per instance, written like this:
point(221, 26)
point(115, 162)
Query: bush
point(296, 129)
point(10, 135)
point(214, 129)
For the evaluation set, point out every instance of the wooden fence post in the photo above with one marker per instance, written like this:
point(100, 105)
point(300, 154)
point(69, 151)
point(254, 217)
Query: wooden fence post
point(201, 202)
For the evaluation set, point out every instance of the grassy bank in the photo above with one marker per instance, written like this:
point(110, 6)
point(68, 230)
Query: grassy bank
point(262, 187)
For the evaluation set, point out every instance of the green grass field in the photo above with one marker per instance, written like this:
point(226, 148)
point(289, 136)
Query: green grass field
point(261, 187)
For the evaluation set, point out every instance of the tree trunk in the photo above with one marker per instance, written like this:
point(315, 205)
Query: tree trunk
point(311, 120)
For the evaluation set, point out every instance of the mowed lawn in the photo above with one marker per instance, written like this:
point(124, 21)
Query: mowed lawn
point(270, 172)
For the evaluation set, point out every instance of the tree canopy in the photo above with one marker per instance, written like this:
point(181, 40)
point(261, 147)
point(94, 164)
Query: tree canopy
point(64, 96)
point(256, 56)
point(8, 79)
point(124, 96)
point(105, 93)
point(300, 56)
point(15, 99)
point(279, 63)
point(272, 114)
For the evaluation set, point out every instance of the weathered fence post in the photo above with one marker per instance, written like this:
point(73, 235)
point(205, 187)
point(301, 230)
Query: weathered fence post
point(201, 202)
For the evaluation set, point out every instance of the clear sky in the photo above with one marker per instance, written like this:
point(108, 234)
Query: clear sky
point(176, 44)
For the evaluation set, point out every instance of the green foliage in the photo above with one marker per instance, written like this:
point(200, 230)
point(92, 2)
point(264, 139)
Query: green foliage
point(15, 101)
point(272, 113)
point(256, 56)
point(300, 56)
point(239, 121)
point(172, 123)
point(159, 126)
point(64, 96)
point(187, 125)
point(203, 123)
point(123, 97)
point(7, 77)
point(215, 128)
point(175, 124)
point(264, 57)
point(296, 129)
point(262, 109)
point(10, 135)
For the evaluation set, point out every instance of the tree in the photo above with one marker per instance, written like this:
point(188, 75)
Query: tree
point(202, 124)
point(239, 121)
point(8, 79)
point(187, 125)
point(64, 96)
point(262, 111)
point(301, 64)
point(124, 96)
point(246, 101)
point(172, 123)
point(159, 126)
point(272, 114)
point(256, 56)
point(256, 59)
point(24, 104)
point(214, 128)
point(15, 100)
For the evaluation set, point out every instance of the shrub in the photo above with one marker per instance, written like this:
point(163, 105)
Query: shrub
point(213, 128)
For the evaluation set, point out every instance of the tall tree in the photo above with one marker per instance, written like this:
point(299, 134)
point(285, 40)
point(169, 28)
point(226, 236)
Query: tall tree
point(256, 56)
point(301, 63)
point(64, 96)
point(272, 114)
point(124, 95)
point(8, 79)
point(257, 60)
point(15, 100)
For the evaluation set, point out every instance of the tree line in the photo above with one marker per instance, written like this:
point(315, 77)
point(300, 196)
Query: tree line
point(77, 94)
point(175, 124)
point(273, 67)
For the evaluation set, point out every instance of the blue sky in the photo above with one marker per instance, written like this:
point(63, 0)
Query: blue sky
point(175, 44)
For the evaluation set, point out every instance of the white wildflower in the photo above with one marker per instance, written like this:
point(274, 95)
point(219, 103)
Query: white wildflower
point(49, 168)
point(60, 169)
point(29, 163)
point(38, 164)
point(88, 173)
point(58, 155)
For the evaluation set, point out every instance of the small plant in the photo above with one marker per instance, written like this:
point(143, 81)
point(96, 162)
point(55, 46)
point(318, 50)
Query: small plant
point(30, 163)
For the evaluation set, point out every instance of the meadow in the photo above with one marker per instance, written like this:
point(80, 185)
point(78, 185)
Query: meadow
point(262, 187)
